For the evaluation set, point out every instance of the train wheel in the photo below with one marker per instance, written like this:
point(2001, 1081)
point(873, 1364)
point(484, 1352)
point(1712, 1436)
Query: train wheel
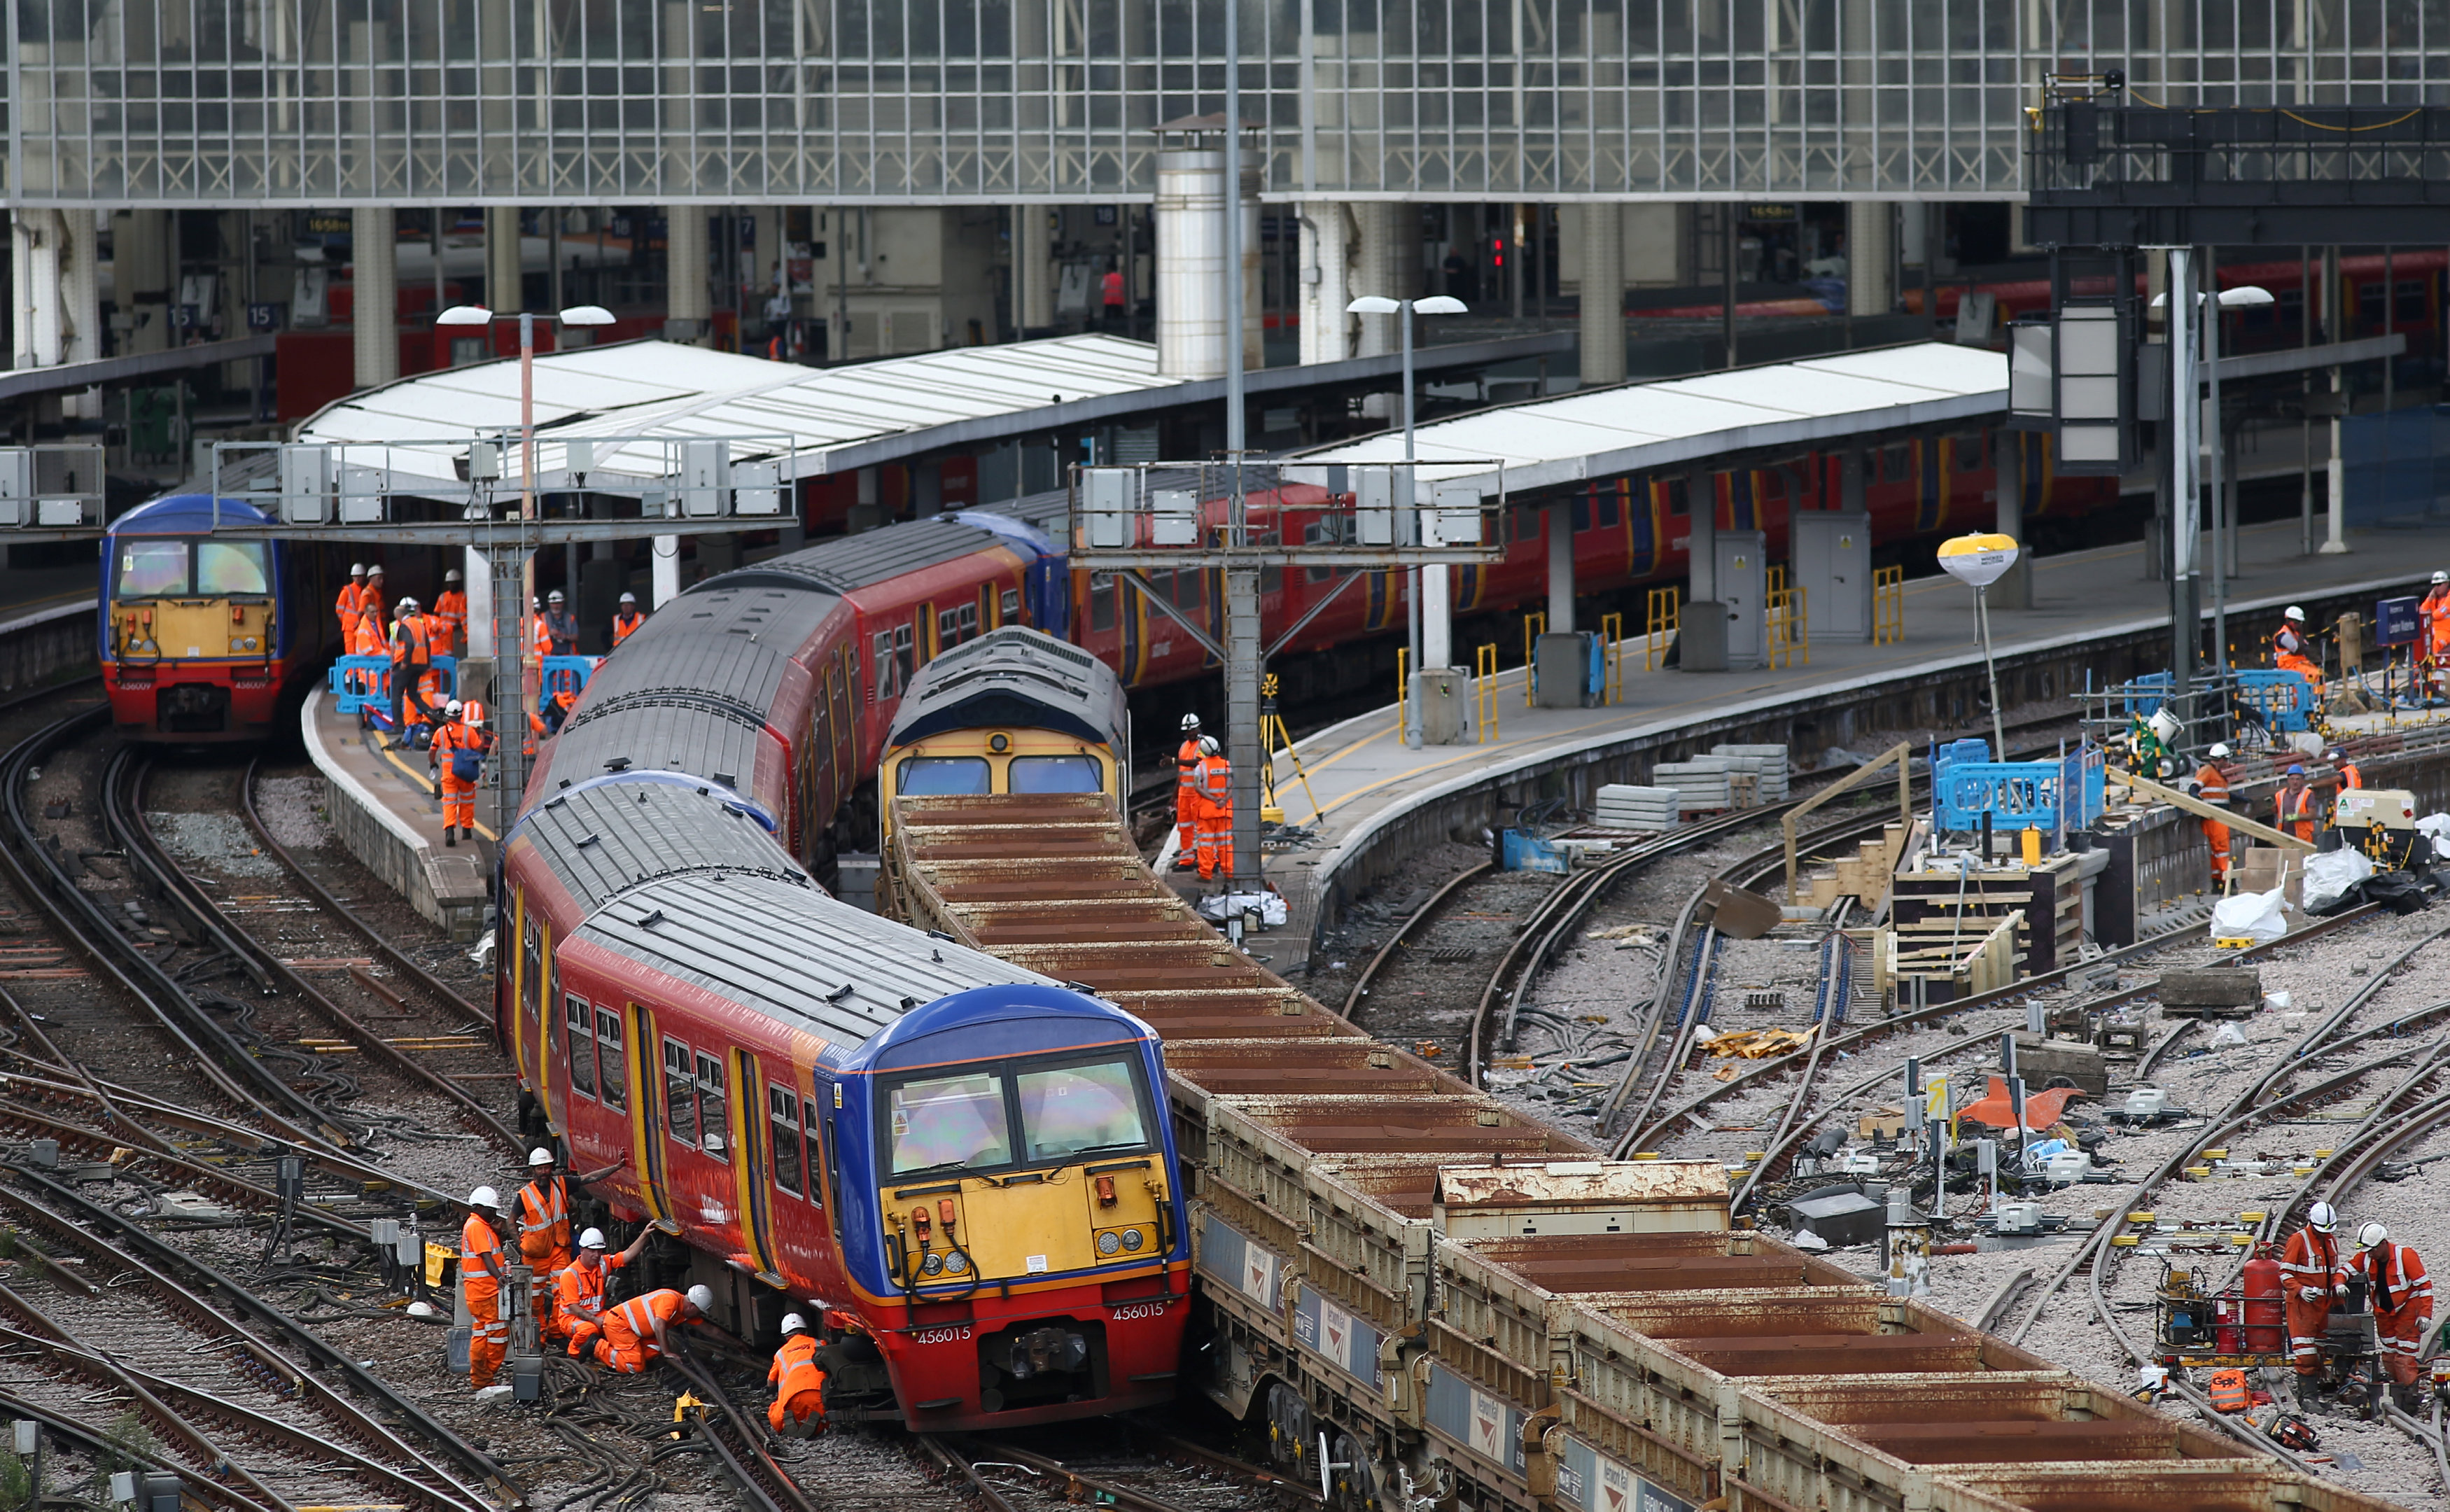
point(1353, 1487)
point(1288, 1423)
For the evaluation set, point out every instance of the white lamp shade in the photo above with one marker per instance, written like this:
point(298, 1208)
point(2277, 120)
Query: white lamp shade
point(1440, 305)
point(587, 315)
point(1372, 305)
point(1978, 560)
point(465, 315)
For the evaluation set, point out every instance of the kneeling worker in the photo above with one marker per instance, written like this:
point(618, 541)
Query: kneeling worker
point(579, 1290)
point(639, 1331)
point(799, 1386)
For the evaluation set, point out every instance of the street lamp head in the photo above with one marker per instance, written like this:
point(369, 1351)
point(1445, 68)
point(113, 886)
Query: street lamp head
point(1440, 305)
point(465, 315)
point(587, 315)
point(1373, 304)
point(2245, 296)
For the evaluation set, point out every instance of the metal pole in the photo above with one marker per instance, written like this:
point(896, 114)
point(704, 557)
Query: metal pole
point(1998, 730)
point(2222, 542)
point(2185, 411)
point(1242, 668)
point(1405, 509)
point(2335, 532)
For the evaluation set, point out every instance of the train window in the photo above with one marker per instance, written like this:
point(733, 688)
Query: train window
point(1896, 463)
point(1967, 452)
point(713, 1112)
point(943, 776)
point(1190, 588)
point(1582, 513)
point(1008, 606)
point(892, 656)
point(680, 1094)
point(947, 1122)
point(576, 1018)
point(151, 569)
point(1101, 601)
point(616, 1089)
point(1066, 1109)
point(1679, 506)
point(956, 625)
point(783, 1119)
point(232, 567)
point(1607, 512)
point(1053, 774)
point(2408, 298)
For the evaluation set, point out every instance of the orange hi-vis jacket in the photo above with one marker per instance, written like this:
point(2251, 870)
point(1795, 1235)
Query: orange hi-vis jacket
point(450, 607)
point(625, 626)
point(799, 1386)
point(544, 1211)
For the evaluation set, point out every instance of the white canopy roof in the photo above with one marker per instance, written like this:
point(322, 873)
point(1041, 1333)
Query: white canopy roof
point(1642, 427)
point(817, 417)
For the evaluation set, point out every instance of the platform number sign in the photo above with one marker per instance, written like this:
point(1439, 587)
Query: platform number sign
point(2395, 621)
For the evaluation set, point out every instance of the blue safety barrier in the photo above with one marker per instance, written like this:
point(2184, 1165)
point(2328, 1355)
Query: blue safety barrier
point(2143, 695)
point(2021, 795)
point(358, 682)
point(566, 674)
point(1523, 852)
point(2284, 698)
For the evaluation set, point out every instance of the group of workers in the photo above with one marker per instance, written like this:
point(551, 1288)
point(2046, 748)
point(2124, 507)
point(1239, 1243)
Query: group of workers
point(1203, 804)
point(2298, 807)
point(567, 1296)
point(2315, 1278)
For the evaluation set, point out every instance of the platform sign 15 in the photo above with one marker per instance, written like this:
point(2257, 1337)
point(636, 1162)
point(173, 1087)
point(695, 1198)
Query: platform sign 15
point(2395, 622)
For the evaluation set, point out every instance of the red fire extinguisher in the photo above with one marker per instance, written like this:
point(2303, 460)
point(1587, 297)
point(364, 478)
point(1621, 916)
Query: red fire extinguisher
point(2267, 1330)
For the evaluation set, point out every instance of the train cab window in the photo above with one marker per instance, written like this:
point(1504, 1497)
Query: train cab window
point(1008, 606)
point(680, 1094)
point(232, 568)
point(943, 776)
point(616, 1082)
point(151, 569)
point(1068, 1110)
point(782, 1122)
point(1053, 774)
point(712, 1111)
point(577, 1019)
point(944, 1123)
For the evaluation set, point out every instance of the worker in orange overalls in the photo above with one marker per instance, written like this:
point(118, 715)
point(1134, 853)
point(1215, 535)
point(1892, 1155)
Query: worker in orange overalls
point(457, 759)
point(544, 1225)
point(371, 603)
point(579, 1290)
point(480, 1282)
point(2401, 1297)
point(1214, 829)
point(348, 606)
point(2433, 624)
point(2291, 648)
point(450, 607)
point(1186, 794)
point(639, 1331)
point(799, 1386)
point(2312, 1277)
point(627, 619)
point(2211, 786)
point(2294, 807)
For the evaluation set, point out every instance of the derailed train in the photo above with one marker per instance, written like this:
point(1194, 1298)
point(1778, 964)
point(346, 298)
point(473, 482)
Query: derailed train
point(1431, 1299)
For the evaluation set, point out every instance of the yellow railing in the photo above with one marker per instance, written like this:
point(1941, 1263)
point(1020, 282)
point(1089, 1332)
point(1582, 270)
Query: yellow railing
point(1535, 625)
point(1403, 655)
point(1484, 691)
point(1662, 616)
point(1888, 606)
point(1612, 647)
point(1790, 628)
point(1774, 580)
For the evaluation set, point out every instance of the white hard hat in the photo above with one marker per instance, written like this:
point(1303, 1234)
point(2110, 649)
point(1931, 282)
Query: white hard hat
point(1208, 744)
point(793, 1320)
point(592, 1239)
point(1191, 722)
point(452, 576)
point(702, 1299)
point(539, 1157)
point(451, 711)
point(553, 597)
point(484, 1197)
point(375, 569)
point(2220, 750)
point(2293, 611)
point(2442, 577)
point(629, 598)
point(2371, 1234)
point(2320, 1219)
point(358, 570)
point(407, 601)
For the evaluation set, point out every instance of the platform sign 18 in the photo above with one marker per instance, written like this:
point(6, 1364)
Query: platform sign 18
point(2395, 621)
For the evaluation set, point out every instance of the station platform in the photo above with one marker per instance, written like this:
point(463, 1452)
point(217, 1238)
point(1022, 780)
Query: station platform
point(389, 815)
point(2094, 610)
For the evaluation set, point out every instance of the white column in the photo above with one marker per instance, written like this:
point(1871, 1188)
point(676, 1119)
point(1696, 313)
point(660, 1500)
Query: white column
point(1326, 282)
point(1603, 301)
point(1870, 256)
point(374, 242)
point(688, 303)
point(1437, 616)
point(1561, 565)
point(1254, 313)
point(34, 286)
point(1376, 273)
point(2335, 471)
point(504, 278)
point(1191, 263)
point(2015, 589)
point(81, 287)
point(667, 584)
point(479, 579)
point(1033, 270)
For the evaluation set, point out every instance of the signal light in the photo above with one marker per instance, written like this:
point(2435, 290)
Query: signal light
point(919, 1223)
point(944, 1213)
point(1105, 1191)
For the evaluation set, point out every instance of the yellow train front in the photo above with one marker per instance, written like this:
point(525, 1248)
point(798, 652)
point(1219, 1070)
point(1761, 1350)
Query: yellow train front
point(203, 638)
point(1013, 712)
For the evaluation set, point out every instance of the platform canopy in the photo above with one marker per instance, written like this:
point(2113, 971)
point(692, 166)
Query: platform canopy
point(1680, 422)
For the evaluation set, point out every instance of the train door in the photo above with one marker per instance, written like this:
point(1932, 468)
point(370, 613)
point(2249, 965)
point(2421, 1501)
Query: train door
point(646, 1144)
point(752, 1171)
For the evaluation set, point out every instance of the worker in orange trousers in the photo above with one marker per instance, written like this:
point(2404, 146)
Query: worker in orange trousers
point(799, 1386)
point(2311, 1276)
point(481, 1273)
point(2401, 1297)
point(639, 1331)
point(579, 1290)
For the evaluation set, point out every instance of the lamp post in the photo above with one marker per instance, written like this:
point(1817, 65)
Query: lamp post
point(507, 613)
point(1978, 561)
point(2245, 296)
point(1419, 612)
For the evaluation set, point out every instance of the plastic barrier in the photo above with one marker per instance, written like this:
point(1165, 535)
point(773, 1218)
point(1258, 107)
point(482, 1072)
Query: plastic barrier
point(2285, 699)
point(2020, 795)
point(566, 674)
point(359, 683)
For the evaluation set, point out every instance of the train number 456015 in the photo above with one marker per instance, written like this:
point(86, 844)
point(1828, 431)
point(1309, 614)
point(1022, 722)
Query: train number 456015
point(951, 1335)
point(1137, 1311)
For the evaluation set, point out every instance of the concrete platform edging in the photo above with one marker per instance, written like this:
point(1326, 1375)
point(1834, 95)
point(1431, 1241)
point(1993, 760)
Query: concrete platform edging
point(449, 890)
point(36, 647)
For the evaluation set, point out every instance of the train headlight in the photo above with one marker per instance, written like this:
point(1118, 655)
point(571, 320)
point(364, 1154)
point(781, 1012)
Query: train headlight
point(958, 1263)
point(1110, 1243)
point(933, 1265)
point(1133, 1239)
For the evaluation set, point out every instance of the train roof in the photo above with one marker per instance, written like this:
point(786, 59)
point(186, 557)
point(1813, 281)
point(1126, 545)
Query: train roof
point(790, 953)
point(1014, 677)
point(674, 731)
point(979, 1024)
point(605, 837)
point(187, 514)
point(850, 562)
point(726, 649)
